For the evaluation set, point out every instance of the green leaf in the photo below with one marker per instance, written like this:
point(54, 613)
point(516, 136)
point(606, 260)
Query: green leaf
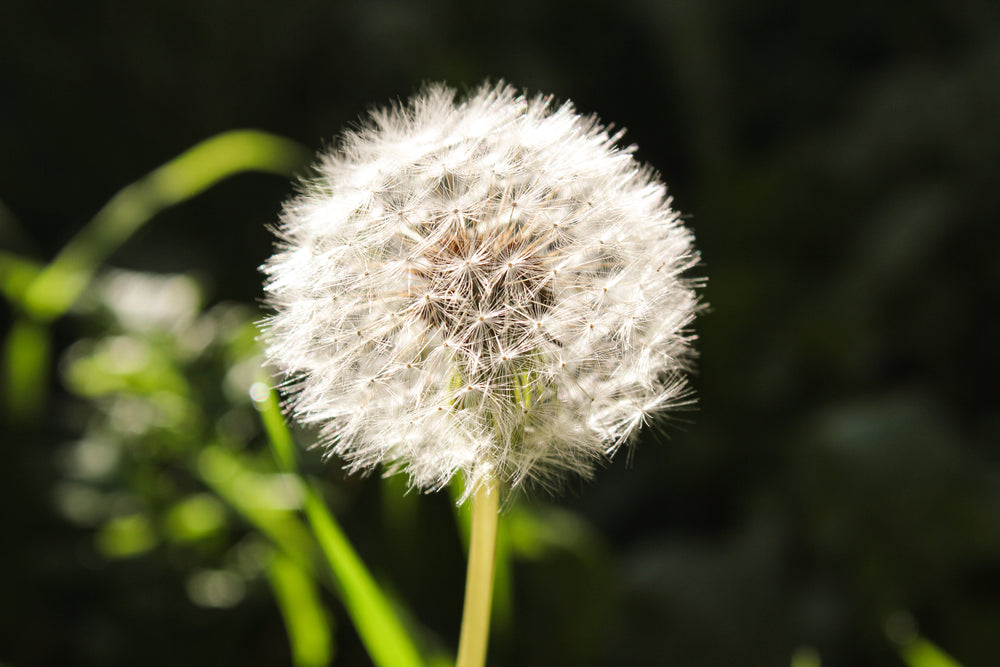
point(305, 620)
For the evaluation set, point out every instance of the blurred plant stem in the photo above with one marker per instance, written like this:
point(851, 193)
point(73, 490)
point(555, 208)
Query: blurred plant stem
point(479, 580)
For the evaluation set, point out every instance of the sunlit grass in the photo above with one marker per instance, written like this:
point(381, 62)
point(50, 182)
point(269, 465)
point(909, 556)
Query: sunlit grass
point(307, 625)
point(379, 626)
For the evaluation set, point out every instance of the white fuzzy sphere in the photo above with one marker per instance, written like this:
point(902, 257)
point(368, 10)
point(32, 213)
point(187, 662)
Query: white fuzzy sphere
point(490, 286)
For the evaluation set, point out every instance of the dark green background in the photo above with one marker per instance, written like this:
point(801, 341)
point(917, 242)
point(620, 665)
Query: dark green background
point(840, 164)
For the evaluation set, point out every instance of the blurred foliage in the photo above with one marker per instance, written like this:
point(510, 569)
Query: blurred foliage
point(834, 500)
point(170, 459)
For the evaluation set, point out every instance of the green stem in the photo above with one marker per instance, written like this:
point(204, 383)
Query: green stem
point(479, 580)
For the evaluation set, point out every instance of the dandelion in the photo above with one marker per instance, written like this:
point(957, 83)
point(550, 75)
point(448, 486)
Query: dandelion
point(490, 286)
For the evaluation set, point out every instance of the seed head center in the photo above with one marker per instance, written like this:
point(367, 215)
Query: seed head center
point(491, 303)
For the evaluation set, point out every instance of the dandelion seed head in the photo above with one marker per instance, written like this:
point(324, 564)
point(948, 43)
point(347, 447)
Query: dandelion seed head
point(488, 285)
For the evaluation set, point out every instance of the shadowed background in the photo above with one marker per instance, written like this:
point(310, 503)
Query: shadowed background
point(836, 489)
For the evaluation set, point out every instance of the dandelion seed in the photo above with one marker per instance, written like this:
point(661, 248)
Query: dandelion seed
point(477, 239)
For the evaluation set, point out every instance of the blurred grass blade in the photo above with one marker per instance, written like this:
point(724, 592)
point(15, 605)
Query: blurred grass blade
point(16, 275)
point(377, 623)
point(26, 366)
point(299, 602)
point(278, 433)
point(922, 653)
point(237, 485)
point(192, 172)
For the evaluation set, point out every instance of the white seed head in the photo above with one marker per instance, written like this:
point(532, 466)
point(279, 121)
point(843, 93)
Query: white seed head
point(490, 286)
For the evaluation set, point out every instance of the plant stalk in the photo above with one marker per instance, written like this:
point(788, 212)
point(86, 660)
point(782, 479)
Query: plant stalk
point(479, 578)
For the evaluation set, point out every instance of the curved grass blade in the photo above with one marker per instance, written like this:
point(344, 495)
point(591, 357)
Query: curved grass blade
point(45, 293)
point(17, 273)
point(377, 622)
point(229, 478)
point(305, 620)
point(55, 290)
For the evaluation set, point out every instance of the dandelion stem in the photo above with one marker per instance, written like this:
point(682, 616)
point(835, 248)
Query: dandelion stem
point(479, 579)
